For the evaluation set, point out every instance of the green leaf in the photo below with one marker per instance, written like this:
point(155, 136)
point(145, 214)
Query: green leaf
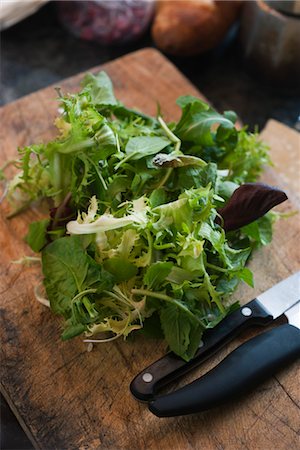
point(157, 197)
point(227, 286)
point(236, 258)
point(196, 177)
point(106, 139)
point(100, 89)
point(152, 327)
point(122, 112)
point(65, 266)
point(215, 237)
point(182, 333)
point(2, 175)
point(36, 237)
point(177, 213)
point(246, 158)
point(197, 121)
point(97, 278)
point(230, 115)
point(178, 275)
point(175, 160)
point(72, 331)
point(260, 230)
point(226, 189)
point(246, 275)
point(120, 268)
point(156, 274)
point(142, 146)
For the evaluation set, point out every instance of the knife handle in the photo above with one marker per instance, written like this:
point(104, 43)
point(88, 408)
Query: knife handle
point(241, 371)
point(170, 367)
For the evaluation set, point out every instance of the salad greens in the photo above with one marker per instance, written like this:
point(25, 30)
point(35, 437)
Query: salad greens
point(134, 233)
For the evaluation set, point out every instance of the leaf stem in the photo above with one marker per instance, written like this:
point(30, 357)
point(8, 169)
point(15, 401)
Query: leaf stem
point(165, 178)
point(81, 294)
point(60, 209)
point(170, 134)
point(212, 266)
point(99, 174)
point(123, 160)
point(152, 294)
point(166, 298)
point(28, 260)
point(213, 294)
point(118, 143)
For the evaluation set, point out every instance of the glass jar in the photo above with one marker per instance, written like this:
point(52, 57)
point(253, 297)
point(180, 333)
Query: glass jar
point(108, 22)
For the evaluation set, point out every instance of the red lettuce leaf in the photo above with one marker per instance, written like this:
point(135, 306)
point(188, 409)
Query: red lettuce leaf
point(248, 203)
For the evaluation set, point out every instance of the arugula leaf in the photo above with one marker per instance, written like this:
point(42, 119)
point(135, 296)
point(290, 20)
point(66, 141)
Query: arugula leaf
point(197, 120)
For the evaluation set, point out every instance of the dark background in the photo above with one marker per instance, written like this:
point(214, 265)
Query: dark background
point(39, 51)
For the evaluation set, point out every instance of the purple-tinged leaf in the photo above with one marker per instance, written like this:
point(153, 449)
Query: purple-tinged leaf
point(248, 203)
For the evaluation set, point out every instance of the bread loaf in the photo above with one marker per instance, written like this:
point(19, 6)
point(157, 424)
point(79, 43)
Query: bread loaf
point(189, 27)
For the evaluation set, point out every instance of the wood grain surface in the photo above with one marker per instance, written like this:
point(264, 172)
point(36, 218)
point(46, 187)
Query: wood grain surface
point(68, 398)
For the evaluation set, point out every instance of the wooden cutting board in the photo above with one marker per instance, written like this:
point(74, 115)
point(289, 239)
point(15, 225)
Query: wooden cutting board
point(68, 398)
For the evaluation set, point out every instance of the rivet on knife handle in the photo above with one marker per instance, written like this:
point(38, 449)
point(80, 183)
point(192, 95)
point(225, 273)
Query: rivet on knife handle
point(170, 367)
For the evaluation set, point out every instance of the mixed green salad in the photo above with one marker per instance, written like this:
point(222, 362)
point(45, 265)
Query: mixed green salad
point(144, 233)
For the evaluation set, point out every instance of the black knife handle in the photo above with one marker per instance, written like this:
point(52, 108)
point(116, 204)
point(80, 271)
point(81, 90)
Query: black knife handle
point(171, 366)
point(241, 371)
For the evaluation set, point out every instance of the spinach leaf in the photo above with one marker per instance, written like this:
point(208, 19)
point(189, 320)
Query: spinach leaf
point(65, 267)
point(68, 271)
point(182, 332)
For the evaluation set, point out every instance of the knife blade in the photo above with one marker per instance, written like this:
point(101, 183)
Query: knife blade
point(240, 372)
point(261, 311)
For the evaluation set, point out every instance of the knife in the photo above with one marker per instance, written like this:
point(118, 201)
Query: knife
point(260, 311)
point(240, 372)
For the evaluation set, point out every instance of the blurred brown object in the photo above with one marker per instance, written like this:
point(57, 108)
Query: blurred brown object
point(270, 38)
point(190, 27)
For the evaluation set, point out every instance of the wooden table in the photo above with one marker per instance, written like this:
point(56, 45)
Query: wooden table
point(68, 398)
